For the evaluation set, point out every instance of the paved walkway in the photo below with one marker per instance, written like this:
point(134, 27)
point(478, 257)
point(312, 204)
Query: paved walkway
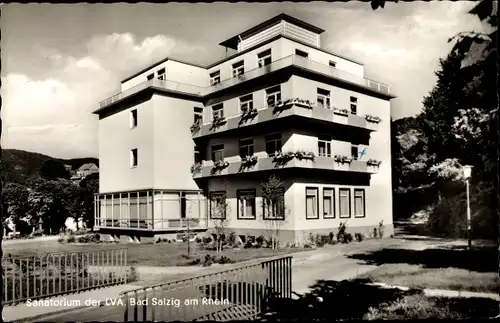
point(63, 304)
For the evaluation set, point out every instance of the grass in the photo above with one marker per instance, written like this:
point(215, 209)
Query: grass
point(418, 306)
point(415, 276)
point(163, 254)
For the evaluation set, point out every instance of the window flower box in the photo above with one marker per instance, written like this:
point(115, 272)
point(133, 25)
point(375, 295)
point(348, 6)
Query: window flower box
point(282, 105)
point(220, 164)
point(249, 114)
point(195, 127)
point(373, 162)
point(342, 159)
point(218, 121)
point(249, 161)
point(307, 155)
point(373, 119)
point(196, 168)
point(283, 158)
point(341, 112)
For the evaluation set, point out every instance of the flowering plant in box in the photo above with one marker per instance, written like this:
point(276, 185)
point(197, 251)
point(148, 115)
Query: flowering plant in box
point(342, 159)
point(373, 119)
point(196, 168)
point(342, 112)
point(373, 162)
point(300, 154)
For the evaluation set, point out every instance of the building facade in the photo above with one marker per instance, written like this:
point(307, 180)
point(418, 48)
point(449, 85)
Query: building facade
point(187, 145)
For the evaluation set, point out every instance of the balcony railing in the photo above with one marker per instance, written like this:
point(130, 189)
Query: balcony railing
point(269, 163)
point(292, 60)
point(290, 109)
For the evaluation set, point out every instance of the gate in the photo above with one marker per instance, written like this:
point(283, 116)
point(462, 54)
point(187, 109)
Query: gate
point(237, 292)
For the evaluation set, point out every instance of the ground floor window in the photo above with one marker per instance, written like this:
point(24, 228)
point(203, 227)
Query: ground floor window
point(246, 204)
point(312, 203)
point(328, 203)
point(274, 206)
point(218, 205)
point(344, 203)
point(359, 203)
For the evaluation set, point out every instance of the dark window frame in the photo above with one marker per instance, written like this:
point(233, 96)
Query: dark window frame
point(238, 195)
point(134, 118)
point(268, 138)
point(135, 158)
point(266, 217)
point(332, 216)
point(316, 189)
point(211, 199)
point(328, 145)
point(348, 190)
point(216, 148)
point(301, 53)
point(246, 146)
point(354, 104)
point(364, 202)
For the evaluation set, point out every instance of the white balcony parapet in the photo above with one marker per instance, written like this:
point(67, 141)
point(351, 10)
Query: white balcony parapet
point(292, 60)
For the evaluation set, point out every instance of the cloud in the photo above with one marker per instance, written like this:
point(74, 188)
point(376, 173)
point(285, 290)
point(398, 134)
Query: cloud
point(54, 115)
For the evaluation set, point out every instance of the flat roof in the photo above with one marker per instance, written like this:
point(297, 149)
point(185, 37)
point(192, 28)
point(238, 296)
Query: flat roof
point(233, 41)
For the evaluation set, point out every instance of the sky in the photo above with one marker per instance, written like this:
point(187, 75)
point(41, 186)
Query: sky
point(60, 61)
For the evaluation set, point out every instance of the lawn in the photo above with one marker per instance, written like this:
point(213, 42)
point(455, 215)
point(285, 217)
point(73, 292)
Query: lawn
point(162, 254)
point(415, 276)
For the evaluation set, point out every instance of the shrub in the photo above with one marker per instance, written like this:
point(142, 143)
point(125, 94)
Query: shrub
point(321, 240)
point(341, 232)
point(37, 233)
point(381, 229)
point(375, 233)
point(307, 246)
point(260, 241)
point(225, 260)
point(61, 240)
point(359, 237)
point(209, 260)
point(71, 239)
point(207, 240)
point(192, 262)
point(89, 238)
point(231, 240)
point(348, 238)
point(331, 237)
point(185, 256)
point(198, 240)
point(133, 275)
point(312, 240)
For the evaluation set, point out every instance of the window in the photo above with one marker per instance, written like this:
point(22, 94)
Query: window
point(328, 203)
point(218, 111)
point(354, 152)
point(133, 118)
point(332, 64)
point(273, 144)
point(273, 95)
point(162, 74)
point(215, 78)
point(246, 147)
point(300, 53)
point(274, 208)
point(344, 203)
point(150, 76)
point(246, 103)
point(134, 158)
point(198, 115)
point(325, 146)
point(359, 203)
point(354, 105)
point(246, 204)
point(324, 98)
point(264, 58)
point(217, 153)
point(218, 205)
point(312, 203)
point(238, 69)
point(197, 156)
point(183, 204)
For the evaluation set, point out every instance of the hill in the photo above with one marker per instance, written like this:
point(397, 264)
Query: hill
point(18, 165)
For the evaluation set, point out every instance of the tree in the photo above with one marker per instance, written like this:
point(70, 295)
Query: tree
point(53, 169)
point(89, 187)
point(15, 204)
point(274, 215)
point(220, 211)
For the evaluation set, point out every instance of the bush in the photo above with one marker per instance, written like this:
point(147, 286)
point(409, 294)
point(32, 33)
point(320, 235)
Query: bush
point(307, 246)
point(260, 241)
point(359, 237)
point(71, 239)
point(207, 240)
point(321, 240)
point(381, 229)
point(198, 240)
point(88, 238)
point(37, 233)
point(231, 240)
point(185, 256)
point(348, 238)
point(331, 237)
point(341, 232)
point(225, 260)
point(209, 260)
point(61, 240)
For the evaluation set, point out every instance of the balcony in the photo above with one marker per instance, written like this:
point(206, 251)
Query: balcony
point(289, 61)
point(208, 169)
point(292, 108)
point(152, 225)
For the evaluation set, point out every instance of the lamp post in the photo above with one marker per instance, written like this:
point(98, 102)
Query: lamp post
point(467, 174)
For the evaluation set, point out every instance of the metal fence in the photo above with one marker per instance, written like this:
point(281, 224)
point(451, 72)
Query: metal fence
point(237, 293)
point(55, 274)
